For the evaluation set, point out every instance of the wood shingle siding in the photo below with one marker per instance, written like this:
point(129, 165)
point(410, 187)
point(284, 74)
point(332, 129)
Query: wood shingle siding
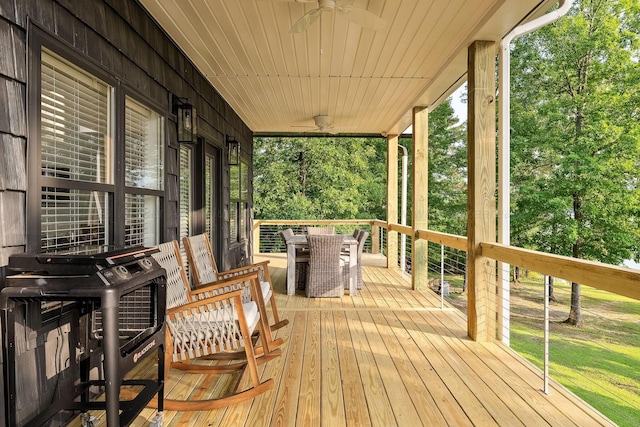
point(12, 51)
point(13, 118)
point(121, 39)
point(13, 171)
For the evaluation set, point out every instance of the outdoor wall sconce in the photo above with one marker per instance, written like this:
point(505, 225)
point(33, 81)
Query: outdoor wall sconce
point(187, 130)
point(234, 150)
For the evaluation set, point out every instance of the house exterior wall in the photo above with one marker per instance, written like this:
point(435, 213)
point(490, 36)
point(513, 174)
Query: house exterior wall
point(124, 41)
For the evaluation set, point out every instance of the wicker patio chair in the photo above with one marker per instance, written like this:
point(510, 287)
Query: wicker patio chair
point(321, 230)
point(216, 327)
point(300, 252)
point(204, 271)
point(361, 236)
point(286, 234)
point(302, 261)
point(324, 275)
point(356, 233)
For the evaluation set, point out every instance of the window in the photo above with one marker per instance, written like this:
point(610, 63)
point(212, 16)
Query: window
point(208, 195)
point(238, 201)
point(244, 199)
point(76, 158)
point(185, 190)
point(78, 174)
point(144, 174)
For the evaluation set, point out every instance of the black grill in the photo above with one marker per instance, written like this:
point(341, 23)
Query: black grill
point(83, 321)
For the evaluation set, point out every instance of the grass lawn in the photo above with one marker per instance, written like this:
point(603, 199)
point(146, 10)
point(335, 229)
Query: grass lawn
point(600, 361)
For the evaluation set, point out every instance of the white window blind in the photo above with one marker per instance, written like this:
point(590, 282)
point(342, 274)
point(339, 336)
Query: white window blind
point(144, 169)
point(185, 191)
point(75, 146)
point(208, 196)
point(144, 159)
point(142, 220)
point(233, 221)
point(73, 221)
point(75, 123)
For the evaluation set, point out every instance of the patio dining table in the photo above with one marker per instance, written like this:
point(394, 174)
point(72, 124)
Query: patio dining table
point(300, 241)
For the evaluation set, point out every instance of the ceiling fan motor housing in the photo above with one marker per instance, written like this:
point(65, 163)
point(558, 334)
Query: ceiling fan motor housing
point(326, 5)
point(323, 122)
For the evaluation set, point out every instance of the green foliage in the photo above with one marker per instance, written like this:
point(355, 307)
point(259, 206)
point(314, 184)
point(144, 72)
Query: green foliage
point(447, 171)
point(597, 362)
point(576, 135)
point(319, 178)
point(345, 177)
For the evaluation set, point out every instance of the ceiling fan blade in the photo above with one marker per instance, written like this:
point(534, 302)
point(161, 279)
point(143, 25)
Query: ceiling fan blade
point(305, 21)
point(361, 17)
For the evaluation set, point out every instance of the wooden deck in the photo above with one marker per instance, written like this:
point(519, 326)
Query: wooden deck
point(388, 357)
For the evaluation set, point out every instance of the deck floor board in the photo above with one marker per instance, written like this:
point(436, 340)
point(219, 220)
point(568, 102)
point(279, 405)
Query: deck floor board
point(388, 356)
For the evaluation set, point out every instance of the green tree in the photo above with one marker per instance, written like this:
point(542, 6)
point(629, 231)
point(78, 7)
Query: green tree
point(576, 136)
point(319, 178)
point(447, 171)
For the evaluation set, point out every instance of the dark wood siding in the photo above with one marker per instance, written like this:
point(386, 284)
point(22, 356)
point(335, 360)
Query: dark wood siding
point(123, 40)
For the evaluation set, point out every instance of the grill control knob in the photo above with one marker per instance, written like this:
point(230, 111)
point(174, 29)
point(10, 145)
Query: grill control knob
point(122, 270)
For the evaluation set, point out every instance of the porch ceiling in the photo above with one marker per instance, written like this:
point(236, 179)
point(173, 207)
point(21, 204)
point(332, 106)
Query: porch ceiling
point(367, 81)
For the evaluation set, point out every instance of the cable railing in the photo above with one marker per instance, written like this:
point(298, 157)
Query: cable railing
point(267, 232)
point(598, 360)
point(592, 361)
point(618, 280)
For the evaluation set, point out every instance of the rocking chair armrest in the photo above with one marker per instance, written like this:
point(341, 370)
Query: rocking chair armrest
point(236, 294)
point(259, 266)
point(250, 284)
point(220, 285)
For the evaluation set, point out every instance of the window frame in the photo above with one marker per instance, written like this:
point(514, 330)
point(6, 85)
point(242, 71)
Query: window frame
point(188, 182)
point(240, 203)
point(116, 189)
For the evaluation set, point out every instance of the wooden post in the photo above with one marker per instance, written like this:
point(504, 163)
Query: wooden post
point(481, 204)
point(256, 238)
point(392, 200)
point(375, 239)
point(420, 191)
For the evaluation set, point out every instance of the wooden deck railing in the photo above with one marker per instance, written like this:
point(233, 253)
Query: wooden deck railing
point(342, 226)
point(618, 280)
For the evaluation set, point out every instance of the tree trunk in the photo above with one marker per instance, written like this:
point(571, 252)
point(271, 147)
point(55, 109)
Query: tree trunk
point(552, 297)
point(464, 283)
point(516, 274)
point(575, 314)
point(303, 173)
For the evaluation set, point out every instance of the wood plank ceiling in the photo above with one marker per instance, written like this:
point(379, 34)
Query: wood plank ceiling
point(367, 81)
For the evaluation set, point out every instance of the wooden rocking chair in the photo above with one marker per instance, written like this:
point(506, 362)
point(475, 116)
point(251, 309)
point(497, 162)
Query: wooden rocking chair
point(204, 270)
point(218, 327)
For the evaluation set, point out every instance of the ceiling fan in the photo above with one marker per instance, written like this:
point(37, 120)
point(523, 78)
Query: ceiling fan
point(355, 14)
point(323, 123)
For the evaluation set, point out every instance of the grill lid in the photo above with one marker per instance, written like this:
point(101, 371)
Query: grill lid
point(83, 264)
